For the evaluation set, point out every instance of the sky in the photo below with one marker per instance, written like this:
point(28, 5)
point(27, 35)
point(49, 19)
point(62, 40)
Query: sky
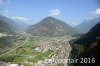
point(72, 12)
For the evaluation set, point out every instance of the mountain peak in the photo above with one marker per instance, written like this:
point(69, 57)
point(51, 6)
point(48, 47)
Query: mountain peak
point(51, 26)
point(50, 17)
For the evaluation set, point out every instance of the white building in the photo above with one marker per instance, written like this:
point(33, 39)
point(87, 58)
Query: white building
point(14, 65)
point(38, 49)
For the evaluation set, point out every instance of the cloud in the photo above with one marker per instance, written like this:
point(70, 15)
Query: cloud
point(94, 14)
point(5, 12)
point(2, 7)
point(22, 19)
point(97, 11)
point(55, 12)
point(2, 2)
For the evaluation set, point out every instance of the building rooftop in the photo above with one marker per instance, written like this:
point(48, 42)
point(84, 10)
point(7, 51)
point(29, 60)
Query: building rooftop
point(14, 65)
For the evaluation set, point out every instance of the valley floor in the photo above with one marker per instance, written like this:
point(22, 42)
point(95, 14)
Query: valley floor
point(38, 51)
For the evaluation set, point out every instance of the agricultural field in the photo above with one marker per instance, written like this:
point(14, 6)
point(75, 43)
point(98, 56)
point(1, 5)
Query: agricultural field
point(35, 50)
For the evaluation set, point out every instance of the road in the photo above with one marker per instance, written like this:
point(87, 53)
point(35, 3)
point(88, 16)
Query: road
point(15, 47)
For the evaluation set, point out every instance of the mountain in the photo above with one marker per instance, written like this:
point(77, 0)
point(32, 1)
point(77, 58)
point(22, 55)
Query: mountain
point(90, 36)
point(4, 27)
point(89, 47)
point(50, 26)
point(16, 25)
point(20, 24)
point(6, 36)
point(85, 26)
point(95, 31)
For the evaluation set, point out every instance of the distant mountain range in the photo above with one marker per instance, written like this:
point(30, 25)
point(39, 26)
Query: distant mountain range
point(51, 26)
point(85, 26)
point(14, 24)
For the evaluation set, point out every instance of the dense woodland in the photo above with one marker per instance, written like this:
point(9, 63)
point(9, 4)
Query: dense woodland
point(87, 46)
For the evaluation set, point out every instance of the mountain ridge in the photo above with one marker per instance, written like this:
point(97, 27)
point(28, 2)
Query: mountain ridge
point(87, 46)
point(86, 25)
point(13, 23)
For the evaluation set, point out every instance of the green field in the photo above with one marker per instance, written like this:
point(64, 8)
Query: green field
point(26, 53)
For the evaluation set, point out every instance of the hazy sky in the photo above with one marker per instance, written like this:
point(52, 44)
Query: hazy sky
point(70, 11)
